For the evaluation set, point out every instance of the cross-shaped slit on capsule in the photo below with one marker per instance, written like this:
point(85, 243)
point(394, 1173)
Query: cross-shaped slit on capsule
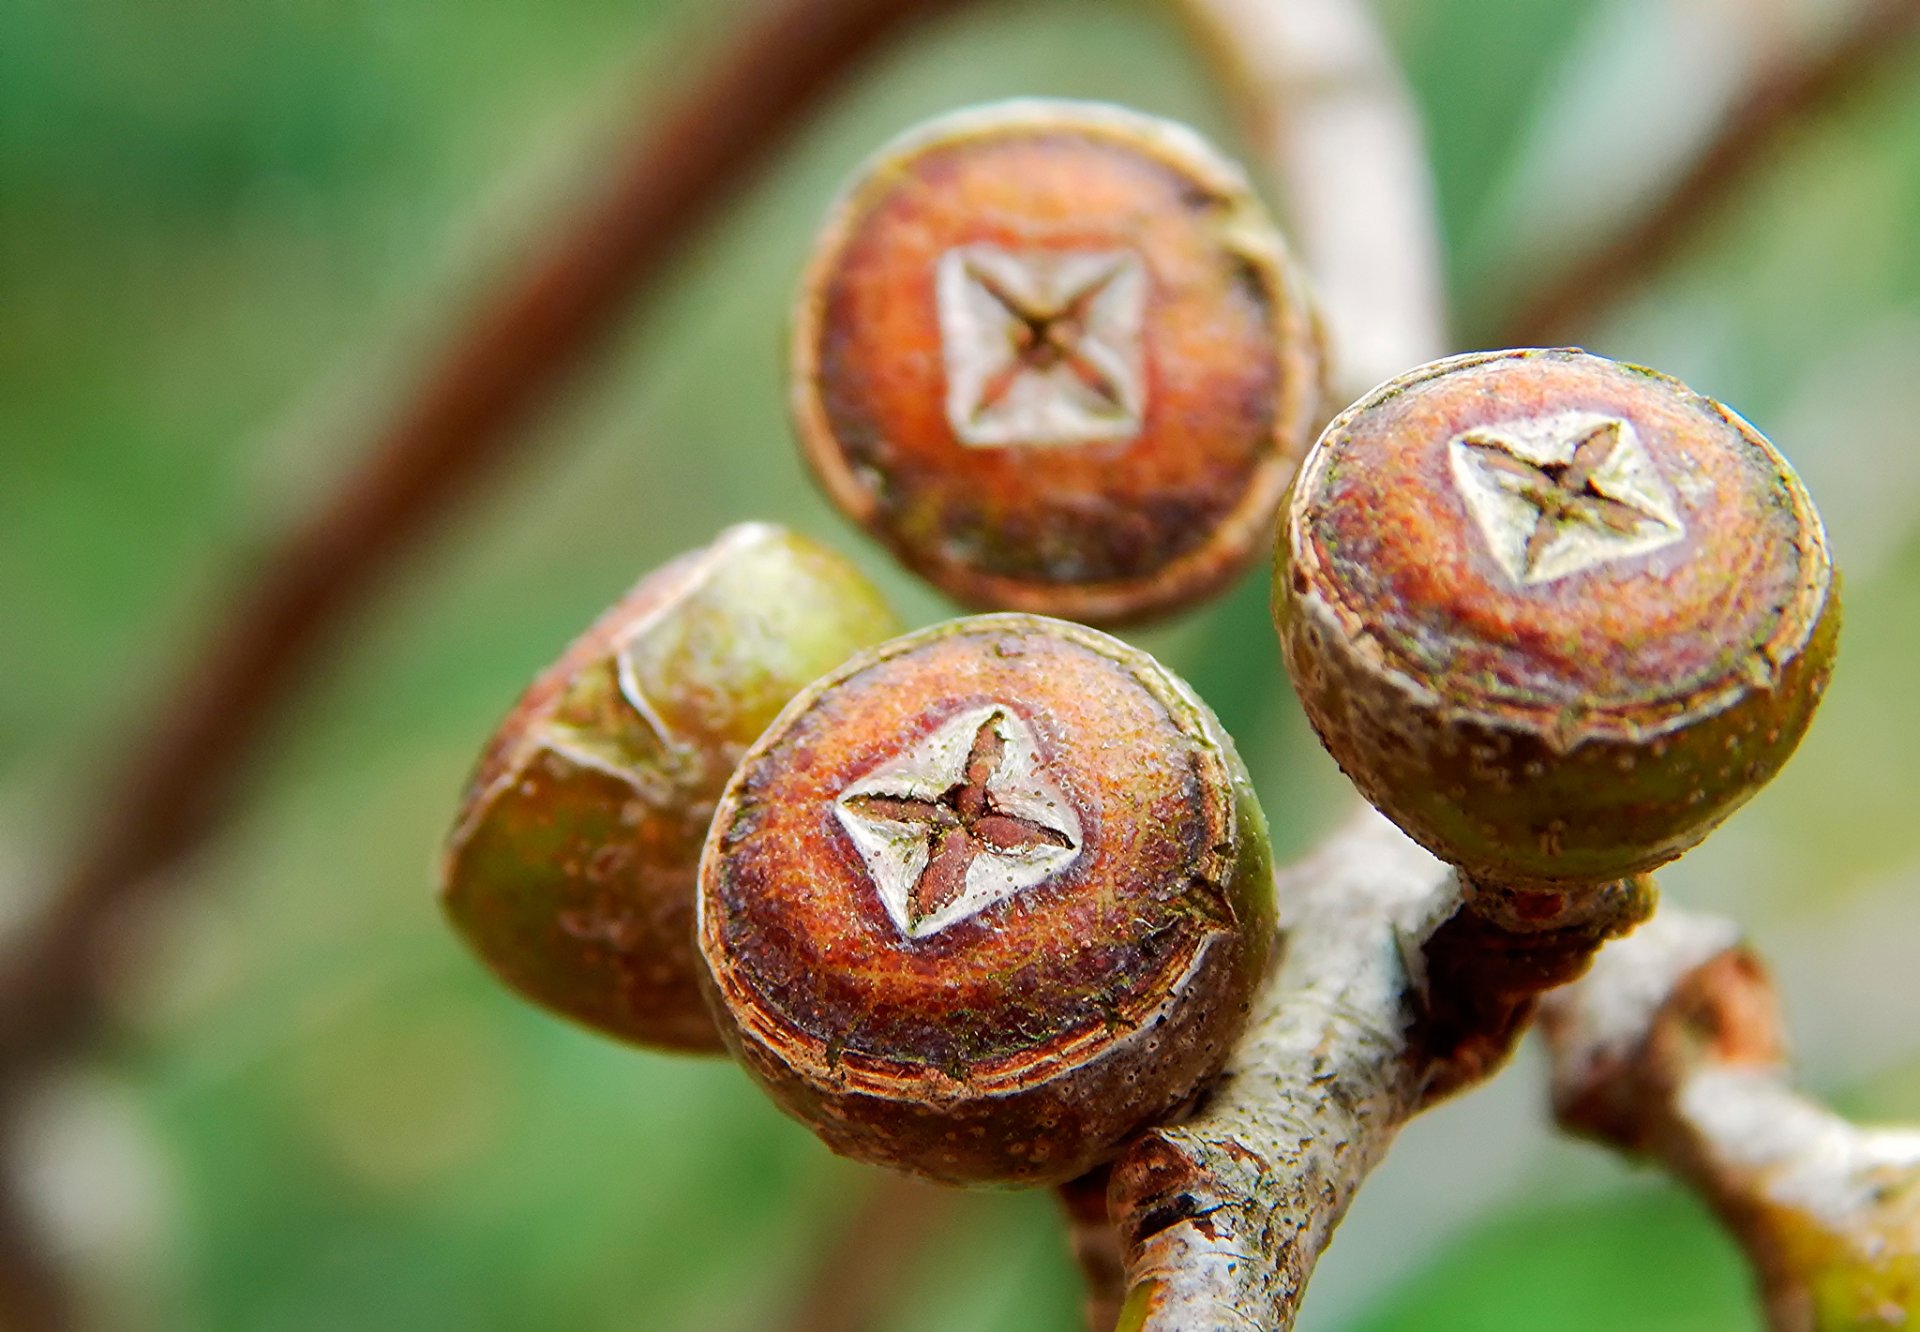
point(1045, 338)
point(964, 822)
point(1563, 495)
point(1042, 347)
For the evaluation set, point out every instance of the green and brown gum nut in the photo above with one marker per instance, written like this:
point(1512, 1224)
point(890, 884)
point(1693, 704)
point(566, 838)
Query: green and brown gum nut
point(1556, 616)
point(986, 900)
point(571, 867)
point(1056, 356)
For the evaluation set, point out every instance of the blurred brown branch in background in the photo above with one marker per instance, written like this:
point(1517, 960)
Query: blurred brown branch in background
point(1782, 99)
point(1096, 1247)
point(470, 412)
point(868, 1259)
point(32, 1296)
point(1674, 1049)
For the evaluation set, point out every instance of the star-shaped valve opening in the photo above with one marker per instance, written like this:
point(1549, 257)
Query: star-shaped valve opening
point(1041, 347)
point(962, 820)
point(1557, 494)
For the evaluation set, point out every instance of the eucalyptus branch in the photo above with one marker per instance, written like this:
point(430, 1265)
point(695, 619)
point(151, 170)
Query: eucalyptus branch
point(1324, 103)
point(1223, 1217)
point(1673, 1049)
point(1748, 139)
point(1391, 994)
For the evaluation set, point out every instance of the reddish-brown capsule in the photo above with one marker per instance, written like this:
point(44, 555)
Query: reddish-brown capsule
point(986, 900)
point(1055, 355)
point(1555, 616)
point(571, 867)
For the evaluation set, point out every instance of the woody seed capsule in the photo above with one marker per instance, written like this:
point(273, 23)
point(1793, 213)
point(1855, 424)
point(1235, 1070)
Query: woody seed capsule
point(1055, 355)
point(987, 899)
point(1555, 616)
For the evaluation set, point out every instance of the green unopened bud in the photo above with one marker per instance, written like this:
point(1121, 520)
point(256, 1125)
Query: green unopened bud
point(571, 866)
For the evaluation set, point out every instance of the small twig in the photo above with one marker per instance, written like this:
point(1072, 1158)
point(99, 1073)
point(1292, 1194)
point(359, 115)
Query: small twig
point(866, 1262)
point(33, 1293)
point(1391, 994)
point(1673, 1048)
point(1749, 136)
point(1325, 105)
point(1096, 1247)
point(468, 414)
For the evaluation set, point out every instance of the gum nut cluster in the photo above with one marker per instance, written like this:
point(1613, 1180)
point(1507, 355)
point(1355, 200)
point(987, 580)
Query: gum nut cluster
point(986, 900)
point(1056, 357)
point(571, 866)
point(1556, 616)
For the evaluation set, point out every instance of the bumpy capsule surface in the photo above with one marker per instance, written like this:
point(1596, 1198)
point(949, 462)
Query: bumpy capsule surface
point(571, 867)
point(1055, 355)
point(986, 900)
point(1554, 615)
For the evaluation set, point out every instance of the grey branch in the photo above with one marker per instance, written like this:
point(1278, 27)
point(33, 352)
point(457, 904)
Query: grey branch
point(1325, 105)
point(1672, 1049)
point(1222, 1217)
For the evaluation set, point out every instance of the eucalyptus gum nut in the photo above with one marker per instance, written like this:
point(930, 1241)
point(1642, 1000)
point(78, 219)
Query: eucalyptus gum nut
point(1057, 357)
point(1555, 616)
point(986, 900)
point(571, 866)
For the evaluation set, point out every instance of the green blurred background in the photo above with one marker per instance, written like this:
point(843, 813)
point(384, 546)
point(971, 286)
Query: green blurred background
point(229, 228)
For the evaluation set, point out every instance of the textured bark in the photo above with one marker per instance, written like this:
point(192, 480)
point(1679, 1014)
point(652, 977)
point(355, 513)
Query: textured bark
point(1394, 990)
point(1222, 1218)
point(1673, 1049)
